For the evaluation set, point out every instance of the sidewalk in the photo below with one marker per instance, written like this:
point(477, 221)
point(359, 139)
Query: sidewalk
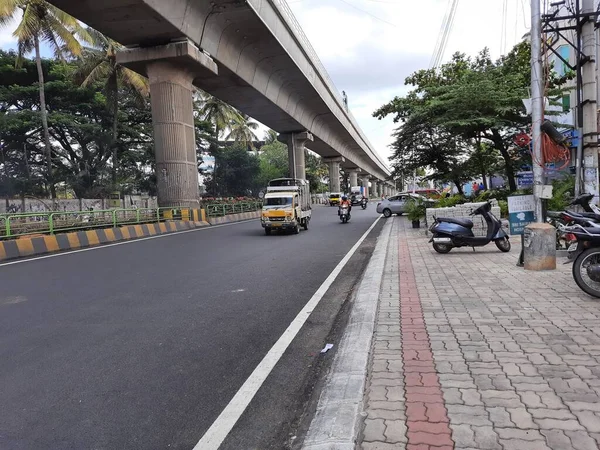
point(472, 352)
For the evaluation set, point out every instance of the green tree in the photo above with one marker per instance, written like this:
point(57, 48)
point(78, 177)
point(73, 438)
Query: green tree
point(42, 21)
point(80, 129)
point(243, 131)
point(273, 161)
point(469, 99)
point(270, 137)
point(98, 65)
point(237, 174)
point(316, 171)
point(217, 112)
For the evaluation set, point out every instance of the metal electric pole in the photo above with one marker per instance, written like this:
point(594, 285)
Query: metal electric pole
point(537, 105)
point(582, 21)
point(589, 94)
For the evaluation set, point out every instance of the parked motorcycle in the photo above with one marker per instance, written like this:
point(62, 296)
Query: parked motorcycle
point(363, 203)
point(449, 232)
point(585, 255)
point(344, 213)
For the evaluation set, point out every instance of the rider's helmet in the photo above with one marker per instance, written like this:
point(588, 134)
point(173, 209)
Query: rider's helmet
point(344, 198)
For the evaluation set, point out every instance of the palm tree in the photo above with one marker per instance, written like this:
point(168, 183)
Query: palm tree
point(42, 21)
point(99, 64)
point(219, 113)
point(243, 131)
point(270, 137)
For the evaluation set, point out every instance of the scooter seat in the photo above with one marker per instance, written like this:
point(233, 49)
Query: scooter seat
point(462, 222)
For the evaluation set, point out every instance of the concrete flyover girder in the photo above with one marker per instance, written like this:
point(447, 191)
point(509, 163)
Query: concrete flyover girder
point(266, 67)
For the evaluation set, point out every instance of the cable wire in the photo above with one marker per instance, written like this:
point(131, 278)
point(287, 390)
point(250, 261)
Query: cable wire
point(368, 13)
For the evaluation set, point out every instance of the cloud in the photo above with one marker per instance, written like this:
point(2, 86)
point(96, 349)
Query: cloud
point(369, 47)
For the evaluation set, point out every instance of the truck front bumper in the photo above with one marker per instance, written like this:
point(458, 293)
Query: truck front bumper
point(279, 224)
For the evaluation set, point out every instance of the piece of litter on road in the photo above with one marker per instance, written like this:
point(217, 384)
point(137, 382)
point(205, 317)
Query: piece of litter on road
point(327, 348)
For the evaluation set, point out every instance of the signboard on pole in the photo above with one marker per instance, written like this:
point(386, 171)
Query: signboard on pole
point(520, 212)
point(524, 179)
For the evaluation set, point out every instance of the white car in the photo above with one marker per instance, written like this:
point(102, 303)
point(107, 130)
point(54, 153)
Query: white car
point(398, 204)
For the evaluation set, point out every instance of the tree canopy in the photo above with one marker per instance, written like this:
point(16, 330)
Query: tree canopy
point(459, 119)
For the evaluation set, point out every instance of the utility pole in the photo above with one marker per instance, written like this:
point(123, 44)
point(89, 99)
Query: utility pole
point(589, 103)
point(583, 21)
point(537, 111)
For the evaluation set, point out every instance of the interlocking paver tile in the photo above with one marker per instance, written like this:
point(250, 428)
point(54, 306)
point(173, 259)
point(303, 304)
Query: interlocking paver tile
point(481, 354)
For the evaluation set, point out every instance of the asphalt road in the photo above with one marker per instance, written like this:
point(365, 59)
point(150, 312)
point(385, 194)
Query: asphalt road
point(142, 345)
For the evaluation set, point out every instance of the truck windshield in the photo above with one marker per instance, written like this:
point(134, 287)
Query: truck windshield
point(334, 196)
point(277, 201)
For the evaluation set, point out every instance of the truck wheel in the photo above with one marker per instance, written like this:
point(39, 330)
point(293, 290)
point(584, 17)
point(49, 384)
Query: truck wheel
point(268, 231)
point(296, 229)
point(305, 224)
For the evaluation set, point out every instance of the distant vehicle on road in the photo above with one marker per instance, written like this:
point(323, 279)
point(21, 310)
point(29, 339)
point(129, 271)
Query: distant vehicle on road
point(286, 205)
point(355, 199)
point(398, 204)
point(335, 198)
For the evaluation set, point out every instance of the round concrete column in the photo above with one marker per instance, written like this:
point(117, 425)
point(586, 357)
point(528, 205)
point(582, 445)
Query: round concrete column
point(295, 143)
point(354, 177)
point(334, 176)
point(174, 135)
point(365, 183)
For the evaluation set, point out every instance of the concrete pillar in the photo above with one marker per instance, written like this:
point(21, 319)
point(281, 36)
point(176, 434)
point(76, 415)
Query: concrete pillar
point(353, 177)
point(295, 143)
point(171, 70)
point(334, 172)
point(365, 183)
point(174, 135)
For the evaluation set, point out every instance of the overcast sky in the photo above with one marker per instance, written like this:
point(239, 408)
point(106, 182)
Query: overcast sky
point(370, 46)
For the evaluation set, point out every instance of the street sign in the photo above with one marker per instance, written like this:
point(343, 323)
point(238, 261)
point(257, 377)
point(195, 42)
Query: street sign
point(524, 179)
point(520, 212)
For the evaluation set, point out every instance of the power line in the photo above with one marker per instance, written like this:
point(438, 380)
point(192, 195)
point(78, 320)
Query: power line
point(444, 35)
point(503, 29)
point(368, 13)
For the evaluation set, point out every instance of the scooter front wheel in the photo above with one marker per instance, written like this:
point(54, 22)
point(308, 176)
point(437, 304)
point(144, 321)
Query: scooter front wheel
point(442, 248)
point(503, 245)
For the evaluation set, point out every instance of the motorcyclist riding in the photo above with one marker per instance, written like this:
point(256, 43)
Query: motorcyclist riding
point(345, 202)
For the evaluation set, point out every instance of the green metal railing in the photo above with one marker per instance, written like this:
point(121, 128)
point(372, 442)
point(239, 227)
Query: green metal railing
point(223, 209)
point(15, 225)
point(51, 222)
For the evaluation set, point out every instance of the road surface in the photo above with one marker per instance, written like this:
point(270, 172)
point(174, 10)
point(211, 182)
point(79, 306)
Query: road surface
point(142, 345)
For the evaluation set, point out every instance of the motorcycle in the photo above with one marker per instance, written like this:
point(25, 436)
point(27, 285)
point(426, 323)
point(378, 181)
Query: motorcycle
point(585, 255)
point(449, 232)
point(344, 213)
point(363, 203)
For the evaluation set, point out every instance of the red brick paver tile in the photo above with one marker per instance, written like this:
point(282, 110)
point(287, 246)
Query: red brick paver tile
point(428, 423)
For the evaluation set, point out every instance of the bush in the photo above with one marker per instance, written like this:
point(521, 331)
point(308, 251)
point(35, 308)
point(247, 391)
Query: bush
point(416, 210)
point(448, 202)
point(503, 204)
point(562, 192)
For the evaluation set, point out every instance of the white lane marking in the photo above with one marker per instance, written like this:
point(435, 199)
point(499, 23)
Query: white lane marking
point(238, 290)
point(133, 241)
point(13, 300)
point(221, 427)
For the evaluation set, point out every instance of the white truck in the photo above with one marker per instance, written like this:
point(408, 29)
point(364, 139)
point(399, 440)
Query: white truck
point(286, 205)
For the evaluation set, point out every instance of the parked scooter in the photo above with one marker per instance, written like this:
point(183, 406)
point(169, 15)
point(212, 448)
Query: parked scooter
point(363, 203)
point(449, 232)
point(344, 213)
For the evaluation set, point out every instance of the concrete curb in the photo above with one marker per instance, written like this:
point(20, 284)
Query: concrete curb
point(41, 245)
point(337, 422)
point(234, 218)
